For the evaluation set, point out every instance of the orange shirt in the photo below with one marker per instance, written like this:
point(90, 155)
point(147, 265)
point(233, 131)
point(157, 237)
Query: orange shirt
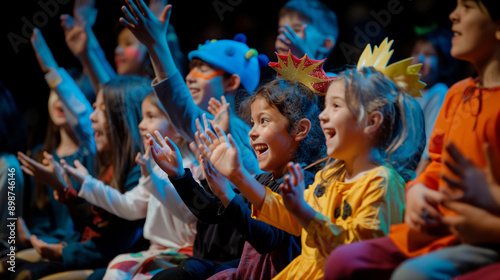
point(470, 118)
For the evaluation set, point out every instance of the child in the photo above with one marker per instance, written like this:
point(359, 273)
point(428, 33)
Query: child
point(131, 56)
point(69, 136)
point(115, 122)
point(306, 27)
point(285, 127)
point(219, 67)
point(432, 49)
point(169, 225)
point(468, 118)
point(477, 224)
point(354, 197)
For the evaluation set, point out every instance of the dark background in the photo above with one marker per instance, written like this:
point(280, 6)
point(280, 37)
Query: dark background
point(196, 21)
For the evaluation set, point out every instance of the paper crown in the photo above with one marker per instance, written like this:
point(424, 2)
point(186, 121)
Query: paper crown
point(305, 70)
point(402, 73)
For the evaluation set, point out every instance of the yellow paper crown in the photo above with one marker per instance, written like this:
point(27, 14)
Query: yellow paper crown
point(402, 72)
point(305, 70)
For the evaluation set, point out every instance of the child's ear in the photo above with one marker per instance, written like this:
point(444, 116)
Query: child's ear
point(231, 83)
point(373, 122)
point(302, 129)
point(327, 46)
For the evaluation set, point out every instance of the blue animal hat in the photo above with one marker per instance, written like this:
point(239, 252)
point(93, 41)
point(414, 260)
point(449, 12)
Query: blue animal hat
point(234, 57)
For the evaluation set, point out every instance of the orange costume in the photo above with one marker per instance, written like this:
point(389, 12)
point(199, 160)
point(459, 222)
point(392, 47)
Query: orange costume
point(470, 118)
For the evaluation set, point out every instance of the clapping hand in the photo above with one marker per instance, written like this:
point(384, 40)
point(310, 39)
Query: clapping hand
point(49, 172)
point(167, 155)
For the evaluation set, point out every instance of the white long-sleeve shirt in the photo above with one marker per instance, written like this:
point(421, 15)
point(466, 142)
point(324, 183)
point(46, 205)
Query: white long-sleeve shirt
point(168, 220)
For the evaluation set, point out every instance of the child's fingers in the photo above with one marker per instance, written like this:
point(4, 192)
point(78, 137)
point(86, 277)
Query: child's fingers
point(204, 151)
point(213, 138)
point(133, 8)
point(221, 134)
point(28, 170)
point(171, 144)
point(198, 125)
point(205, 121)
point(160, 139)
point(138, 157)
point(456, 155)
point(231, 141)
point(300, 172)
point(452, 183)
point(223, 99)
point(144, 9)
point(165, 15)
point(454, 168)
point(128, 18)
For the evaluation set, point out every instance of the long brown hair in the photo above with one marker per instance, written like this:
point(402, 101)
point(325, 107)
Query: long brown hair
point(123, 96)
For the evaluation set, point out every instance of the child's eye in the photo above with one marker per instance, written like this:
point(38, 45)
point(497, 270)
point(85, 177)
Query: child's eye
point(264, 121)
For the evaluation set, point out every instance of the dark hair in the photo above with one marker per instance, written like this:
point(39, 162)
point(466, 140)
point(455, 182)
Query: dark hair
point(294, 101)
point(123, 96)
point(493, 7)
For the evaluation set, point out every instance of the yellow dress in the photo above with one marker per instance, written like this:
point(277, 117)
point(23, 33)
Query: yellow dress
point(346, 212)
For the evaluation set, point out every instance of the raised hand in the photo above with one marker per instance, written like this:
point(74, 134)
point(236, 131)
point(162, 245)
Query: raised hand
point(49, 172)
point(146, 27)
point(221, 151)
point(297, 45)
point(292, 188)
point(85, 13)
point(144, 161)
point(421, 207)
point(471, 184)
point(221, 113)
point(78, 172)
point(75, 35)
point(166, 155)
point(43, 54)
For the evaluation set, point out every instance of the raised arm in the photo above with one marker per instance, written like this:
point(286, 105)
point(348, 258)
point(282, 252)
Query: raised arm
point(83, 44)
point(76, 106)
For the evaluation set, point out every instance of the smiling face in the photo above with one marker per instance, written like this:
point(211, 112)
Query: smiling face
point(204, 82)
point(129, 54)
point(100, 124)
point(56, 111)
point(269, 137)
point(154, 119)
point(343, 134)
point(474, 32)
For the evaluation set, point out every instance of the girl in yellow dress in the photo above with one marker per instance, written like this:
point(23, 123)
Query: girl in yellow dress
point(373, 134)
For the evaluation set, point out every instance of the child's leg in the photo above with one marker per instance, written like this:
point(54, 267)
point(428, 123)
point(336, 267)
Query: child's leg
point(447, 263)
point(369, 259)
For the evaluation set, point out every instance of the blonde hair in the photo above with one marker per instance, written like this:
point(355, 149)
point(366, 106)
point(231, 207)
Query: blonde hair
point(400, 138)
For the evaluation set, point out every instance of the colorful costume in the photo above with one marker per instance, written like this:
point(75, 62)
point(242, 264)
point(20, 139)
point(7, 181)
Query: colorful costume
point(347, 212)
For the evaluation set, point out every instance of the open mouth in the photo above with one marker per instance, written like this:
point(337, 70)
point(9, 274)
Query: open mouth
point(260, 149)
point(329, 133)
